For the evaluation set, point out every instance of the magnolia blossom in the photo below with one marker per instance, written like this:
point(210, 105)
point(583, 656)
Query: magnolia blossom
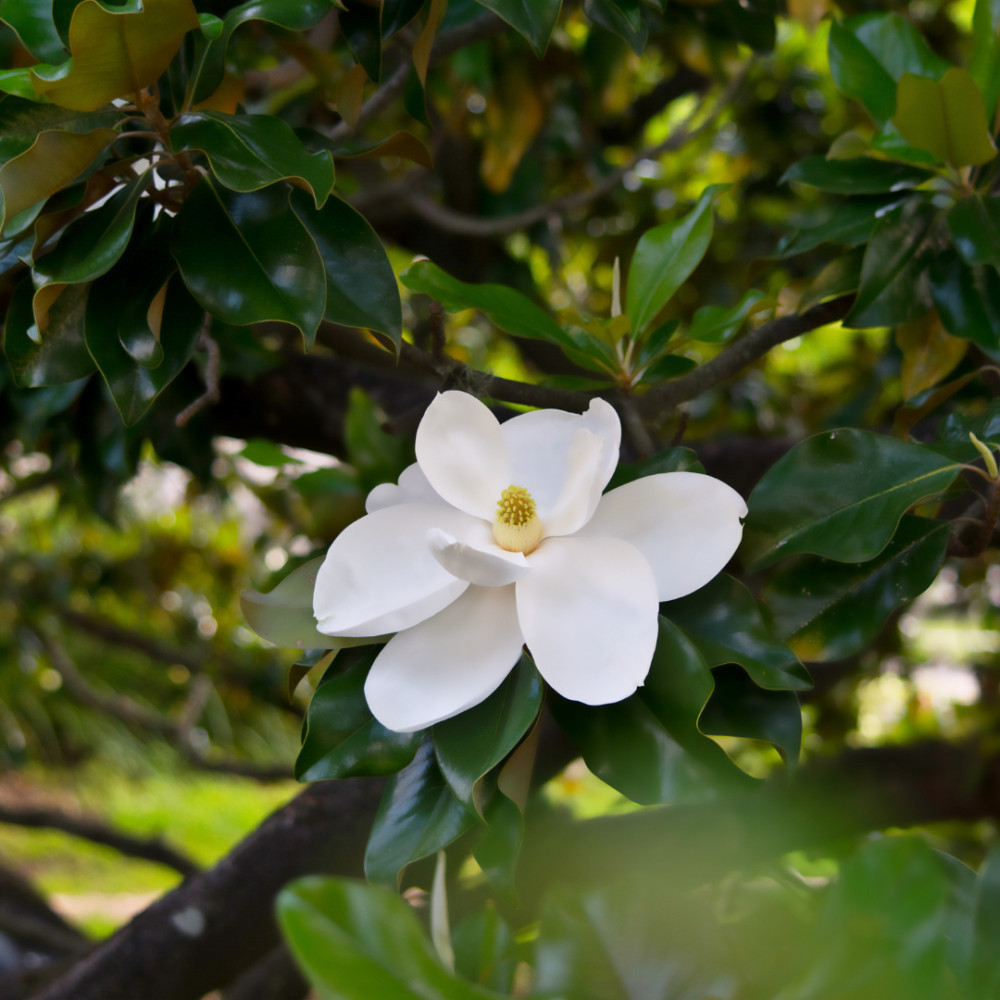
point(498, 537)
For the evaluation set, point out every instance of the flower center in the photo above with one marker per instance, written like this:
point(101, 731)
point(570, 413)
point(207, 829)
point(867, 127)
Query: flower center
point(517, 527)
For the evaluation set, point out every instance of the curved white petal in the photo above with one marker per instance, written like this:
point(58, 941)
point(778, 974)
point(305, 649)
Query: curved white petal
point(446, 664)
point(686, 524)
point(588, 611)
point(379, 575)
point(477, 558)
point(463, 454)
point(413, 488)
point(564, 460)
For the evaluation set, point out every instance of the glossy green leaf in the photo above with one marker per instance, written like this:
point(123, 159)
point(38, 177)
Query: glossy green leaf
point(418, 815)
point(974, 223)
point(56, 355)
point(861, 176)
point(967, 299)
point(895, 286)
point(668, 366)
point(839, 494)
point(953, 432)
point(133, 387)
point(847, 223)
point(869, 53)
point(717, 324)
point(117, 52)
point(485, 949)
point(32, 20)
point(830, 610)
point(840, 277)
point(362, 27)
point(505, 307)
point(284, 615)
point(623, 17)
point(664, 258)
point(342, 739)
point(247, 258)
point(470, 745)
point(92, 244)
point(739, 708)
point(358, 942)
point(649, 746)
point(723, 621)
point(533, 19)
point(17, 82)
point(296, 15)
point(984, 64)
point(361, 287)
point(946, 118)
point(52, 161)
point(248, 152)
point(21, 122)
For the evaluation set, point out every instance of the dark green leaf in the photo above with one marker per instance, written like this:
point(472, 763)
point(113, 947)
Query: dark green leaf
point(470, 745)
point(485, 949)
point(671, 460)
point(625, 18)
point(716, 324)
point(859, 74)
point(739, 708)
point(21, 121)
point(664, 258)
point(362, 28)
point(654, 344)
point(342, 739)
point(498, 849)
point(246, 258)
point(34, 26)
point(248, 152)
point(975, 228)
point(839, 494)
point(848, 223)
point(418, 815)
point(55, 355)
point(984, 64)
point(361, 288)
point(895, 287)
point(534, 20)
point(984, 971)
point(723, 621)
point(861, 176)
point(668, 366)
point(953, 432)
point(830, 610)
point(967, 299)
point(359, 942)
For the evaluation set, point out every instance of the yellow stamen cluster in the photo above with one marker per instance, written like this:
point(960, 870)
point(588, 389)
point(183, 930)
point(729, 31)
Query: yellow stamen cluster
point(517, 527)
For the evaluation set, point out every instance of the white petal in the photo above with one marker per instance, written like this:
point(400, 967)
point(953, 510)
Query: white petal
point(413, 488)
point(588, 611)
point(463, 454)
point(379, 575)
point(446, 664)
point(477, 558)
point(562, 467)
point(686, 524)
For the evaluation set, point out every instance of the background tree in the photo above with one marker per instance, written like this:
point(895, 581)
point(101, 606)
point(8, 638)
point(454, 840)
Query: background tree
point(768, 236)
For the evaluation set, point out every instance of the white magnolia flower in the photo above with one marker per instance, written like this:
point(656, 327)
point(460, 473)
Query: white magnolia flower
point(498, 536)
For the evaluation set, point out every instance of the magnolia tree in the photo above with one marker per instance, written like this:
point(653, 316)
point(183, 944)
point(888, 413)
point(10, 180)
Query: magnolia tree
point(657, 345)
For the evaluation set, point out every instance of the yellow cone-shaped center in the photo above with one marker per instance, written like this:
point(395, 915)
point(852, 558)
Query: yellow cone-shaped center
point(517, 527)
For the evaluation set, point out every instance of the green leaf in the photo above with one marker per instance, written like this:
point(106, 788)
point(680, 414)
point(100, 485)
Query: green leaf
point(93, 243)
point(648, 746)
point(21, 121)
point(358, 942)
point(485, 949)
point(723, 621)
point(248, 152)
point(284, 615)
point(984, 973)
point(17, 82)
point(533, 19)
point(52, 161)
point(623, 17)
point(667, 366)
point(664, 258)
point(967, 298)
point(246, 258)
point(296, 15)
point(953, 432)
point(670, 460)
point(839, 494)
point(361, 288)
point(895, 286)
point(56, 355)
point(847, 223)
point(739, 708)
point(362, 27)
point(946, 118)
point(984, 64)
point(342, 739)
point(115, 53)
point(974, 223)
point(830, 610)
point(859, 176)
point(506, 308)
point(717, 324)
point(470, 745)
point(418, 816)
point(34, 26)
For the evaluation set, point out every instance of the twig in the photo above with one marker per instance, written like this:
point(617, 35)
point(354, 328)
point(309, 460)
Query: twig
point(211, 393)
point(636, 429)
